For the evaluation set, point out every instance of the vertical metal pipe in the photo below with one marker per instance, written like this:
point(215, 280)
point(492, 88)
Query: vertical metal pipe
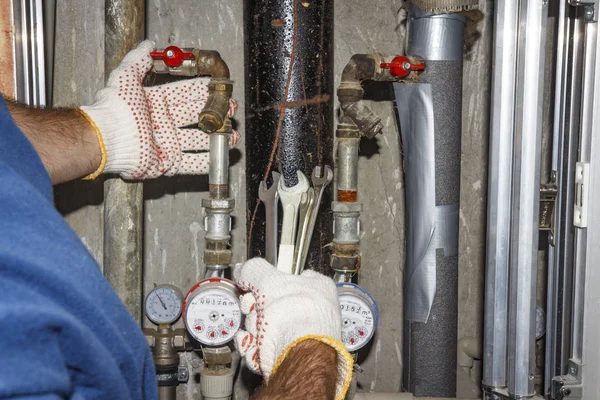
point(218, 207)
point(525, 203)
point(347, 166)
point(218, 175)
point(167, 392)
point(499, 193)
point(431, 338)
point(123, 201)
point(289, 105)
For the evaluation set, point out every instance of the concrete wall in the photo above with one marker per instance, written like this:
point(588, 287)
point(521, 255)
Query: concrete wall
point(173, 216)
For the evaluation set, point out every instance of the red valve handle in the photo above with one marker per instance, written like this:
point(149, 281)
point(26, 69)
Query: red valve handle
point(173, 56)
point(402, 66)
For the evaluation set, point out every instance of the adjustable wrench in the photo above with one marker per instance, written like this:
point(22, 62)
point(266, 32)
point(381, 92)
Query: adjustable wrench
point(270, 199)
point(320, 180)
point(290, 200)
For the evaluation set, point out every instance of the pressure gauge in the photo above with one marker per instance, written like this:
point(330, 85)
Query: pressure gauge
point(359, 315)
point(540, 323)
point(212, 312)
point(163, 304)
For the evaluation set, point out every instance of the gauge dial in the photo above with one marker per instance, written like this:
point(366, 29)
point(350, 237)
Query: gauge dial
point(163, 304)
point(359, 316)
point(212, 313)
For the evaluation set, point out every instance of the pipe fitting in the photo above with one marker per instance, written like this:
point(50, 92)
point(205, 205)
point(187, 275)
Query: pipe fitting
point(216, 380)
point(210, 63)
point(360, 67)
point(367, 122)
point(214, 114)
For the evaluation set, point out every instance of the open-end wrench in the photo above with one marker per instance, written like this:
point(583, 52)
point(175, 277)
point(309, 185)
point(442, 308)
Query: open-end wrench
point(270, 199)
point(306, 210)
point(290, 201)
point(320, 180)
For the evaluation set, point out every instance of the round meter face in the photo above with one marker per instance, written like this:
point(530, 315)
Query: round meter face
point(163, 304)
point(212, 315)
point(359, 316)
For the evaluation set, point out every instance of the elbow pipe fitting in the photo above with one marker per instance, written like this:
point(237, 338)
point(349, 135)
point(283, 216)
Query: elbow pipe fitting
point(210, 63)
point(360, 67)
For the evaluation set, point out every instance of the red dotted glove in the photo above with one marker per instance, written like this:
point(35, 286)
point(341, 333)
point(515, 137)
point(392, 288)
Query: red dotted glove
point(281, 311)
point(141, 129)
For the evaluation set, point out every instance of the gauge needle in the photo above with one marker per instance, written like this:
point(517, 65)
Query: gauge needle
point(161, 302)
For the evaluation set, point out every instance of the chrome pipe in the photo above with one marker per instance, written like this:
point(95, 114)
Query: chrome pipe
point(499, 194)
point(526, 195)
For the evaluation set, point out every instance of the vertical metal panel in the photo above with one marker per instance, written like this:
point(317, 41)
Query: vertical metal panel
point(499, 193)
point(565, 154)
point(123, 201)
point(525, 203)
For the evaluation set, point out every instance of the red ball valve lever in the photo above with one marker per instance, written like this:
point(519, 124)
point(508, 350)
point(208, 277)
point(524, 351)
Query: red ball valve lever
point(173, 56)
point(402, 66)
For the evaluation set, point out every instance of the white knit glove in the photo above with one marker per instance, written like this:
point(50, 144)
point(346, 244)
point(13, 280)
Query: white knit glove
point(281, 311)
point(140, 128)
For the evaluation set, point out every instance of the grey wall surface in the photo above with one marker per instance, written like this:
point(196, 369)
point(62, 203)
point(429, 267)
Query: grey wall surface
point(173, 216)
point(79, 57)
point(360, 29)
point(473, 191)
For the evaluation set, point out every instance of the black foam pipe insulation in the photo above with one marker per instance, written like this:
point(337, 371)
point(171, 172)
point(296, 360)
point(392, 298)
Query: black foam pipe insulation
point(288, 50)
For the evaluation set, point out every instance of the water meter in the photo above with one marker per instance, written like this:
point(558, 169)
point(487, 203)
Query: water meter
point(163, 304)
point(359, 316)
point(211, 311)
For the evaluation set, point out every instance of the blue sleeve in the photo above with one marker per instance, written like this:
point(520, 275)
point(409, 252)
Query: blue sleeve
point(17, 153)
point(65, 333)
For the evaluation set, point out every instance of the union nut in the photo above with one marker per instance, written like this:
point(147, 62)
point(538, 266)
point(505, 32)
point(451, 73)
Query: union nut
point(345, 264)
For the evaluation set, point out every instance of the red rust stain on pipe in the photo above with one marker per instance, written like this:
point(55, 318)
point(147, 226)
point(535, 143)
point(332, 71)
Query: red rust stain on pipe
point(347, 196)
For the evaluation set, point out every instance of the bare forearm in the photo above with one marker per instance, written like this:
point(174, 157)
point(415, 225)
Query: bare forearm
point(308, 372)
point(64, 140)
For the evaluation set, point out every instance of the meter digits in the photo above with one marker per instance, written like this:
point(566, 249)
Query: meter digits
point(163, 304)
point(359, 315)
point(212, 313)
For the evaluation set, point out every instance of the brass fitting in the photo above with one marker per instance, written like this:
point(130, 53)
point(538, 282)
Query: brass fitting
point(214, 114)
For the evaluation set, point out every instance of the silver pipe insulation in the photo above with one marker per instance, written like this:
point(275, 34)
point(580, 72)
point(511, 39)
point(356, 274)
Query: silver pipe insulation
point(430, 123)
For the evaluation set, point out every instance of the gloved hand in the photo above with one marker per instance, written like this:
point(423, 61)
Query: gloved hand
point(140, 128)
point(281, 311)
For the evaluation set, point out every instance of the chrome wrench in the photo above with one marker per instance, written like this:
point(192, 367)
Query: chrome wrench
point(306, 210)
point(270, 199)
point(290, 200)
point(320, 180)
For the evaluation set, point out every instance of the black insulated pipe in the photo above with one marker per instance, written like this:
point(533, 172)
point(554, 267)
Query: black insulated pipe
point(289, 106)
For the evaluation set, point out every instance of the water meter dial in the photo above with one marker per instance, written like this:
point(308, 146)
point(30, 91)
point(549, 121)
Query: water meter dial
point(163, 304)
point(359, 315)
point(211, 311)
